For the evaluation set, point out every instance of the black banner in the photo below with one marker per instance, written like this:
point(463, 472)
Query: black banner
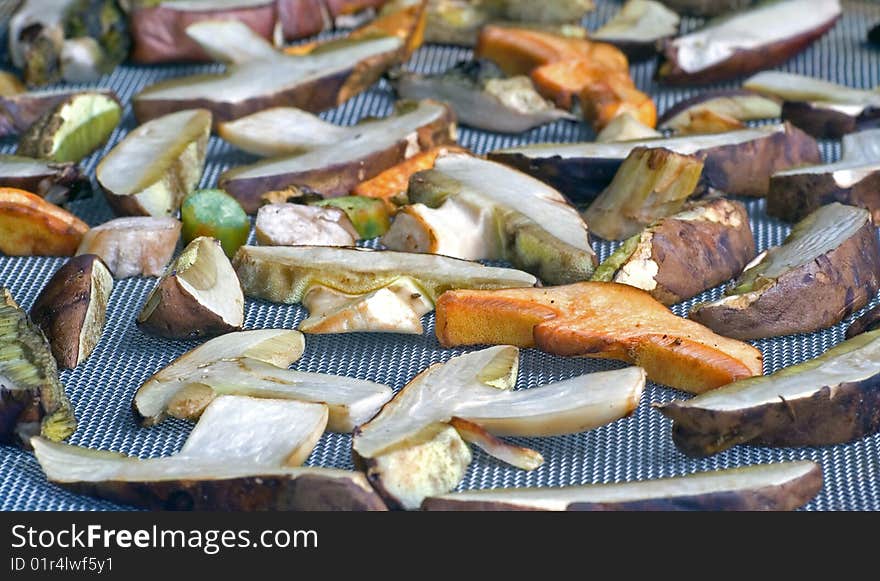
point(119, 545)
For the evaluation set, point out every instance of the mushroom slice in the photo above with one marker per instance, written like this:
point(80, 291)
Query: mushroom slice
point(150, 171)
point(823, 109)
point(477, 209)
point(73, 128)
point(32, 399)
point(199, 295)
point(351, 402)
point(299, 225)
point(56, 183)
point(278, 347)
point(396, 308)
point(361, 152)
point(780, 486)
point(517, 456)
point(828, 400)
point(582, 170)
point(757, 38)
point(650, 184)
point(638, 28)
point(282, 131)
point(160, 29)
point(408, 451)
point(722, 108)
point(625, 127)
point(72, 308)
point(139, 245)
point(854, 180)
point(286, 273)
point(31, 226)
point(482, 97)
point(19, 111)
point(230, 41)
point(826, 269)
point(242, 455)
point(683, 255)
point(319, 80)
point(598, 319)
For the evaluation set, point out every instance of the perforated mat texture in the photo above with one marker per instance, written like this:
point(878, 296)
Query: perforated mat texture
point(638, 447)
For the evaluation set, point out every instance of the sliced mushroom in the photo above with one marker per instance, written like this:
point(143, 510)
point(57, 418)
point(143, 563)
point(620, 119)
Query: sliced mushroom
point(476, 209)
point(199, 295)
point(133, 246)
point(350, 402)
point(396, 308)
point(282, 131)
point(482, 97)
point(162, 31)
point(56, 183)
point(410, 452)
point(300, 225)
point(314, 82)
point(650, 184)
point(683, 255)
point(826, 269)
point(242, 455)
point(150, 171)
point(718, 111)
point(31, 226)
point(780, 486)
point(638, 28)
point(625, 127)
point(32, 399)
point(598, 319)
point(73, 128)
point(757, 38)
point(828, 400)
point(349, 289)
point(279, 347)
point(582, 170)
point(854, 180)
point(823, 109)
point(21, 110)
point(72, 308)
point(361, 153)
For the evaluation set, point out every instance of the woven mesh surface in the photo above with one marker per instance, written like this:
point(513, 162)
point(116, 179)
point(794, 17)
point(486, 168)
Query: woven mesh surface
point(638, 447)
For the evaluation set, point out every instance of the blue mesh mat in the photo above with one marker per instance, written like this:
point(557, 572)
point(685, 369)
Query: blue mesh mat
point(638, 447)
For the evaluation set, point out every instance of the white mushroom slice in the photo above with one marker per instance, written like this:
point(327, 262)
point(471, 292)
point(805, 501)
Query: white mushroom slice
point(199, 295)
point(278, 347)
point(781, 486)
point(243, 455)
point(140, 245)
point(301, 225)
point(397, 308)
point(350, 401)
point(473, 387)
point(533, 226)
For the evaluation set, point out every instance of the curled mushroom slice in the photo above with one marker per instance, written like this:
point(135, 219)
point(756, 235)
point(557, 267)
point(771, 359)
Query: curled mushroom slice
point(409, 452)
point(278, 347)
